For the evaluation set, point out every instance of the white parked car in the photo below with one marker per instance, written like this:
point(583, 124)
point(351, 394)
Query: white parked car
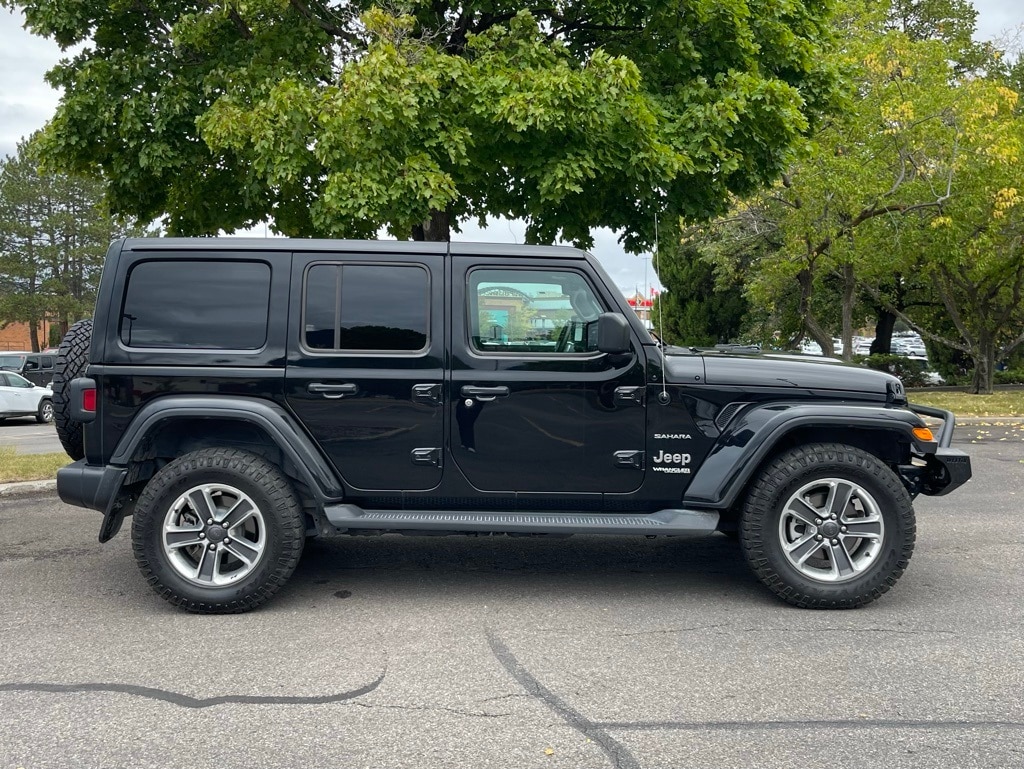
point(20, 398)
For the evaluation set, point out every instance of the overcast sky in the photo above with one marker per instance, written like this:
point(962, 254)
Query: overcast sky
point(27, 102)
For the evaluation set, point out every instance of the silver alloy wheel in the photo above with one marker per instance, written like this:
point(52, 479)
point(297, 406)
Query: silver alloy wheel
point(831, 530)
point(47, 411)
point(214, 535)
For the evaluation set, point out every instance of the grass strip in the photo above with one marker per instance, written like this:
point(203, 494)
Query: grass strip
point(29, 467)
point(1007, 403)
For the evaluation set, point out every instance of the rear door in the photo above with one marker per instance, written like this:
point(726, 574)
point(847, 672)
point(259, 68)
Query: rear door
point(536, 408)
point(365, 365)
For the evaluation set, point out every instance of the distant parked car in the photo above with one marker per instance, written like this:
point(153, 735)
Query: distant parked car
point(20, 398)
point(36, 367)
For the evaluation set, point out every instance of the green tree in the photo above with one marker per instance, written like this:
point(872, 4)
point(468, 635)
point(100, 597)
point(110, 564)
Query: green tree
point(54, 233)
point(697, 307)
point(338, 119)
point(908, 198)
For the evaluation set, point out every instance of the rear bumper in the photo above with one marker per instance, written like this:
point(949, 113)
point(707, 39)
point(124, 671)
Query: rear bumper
point(96, 488)
point(947, 469)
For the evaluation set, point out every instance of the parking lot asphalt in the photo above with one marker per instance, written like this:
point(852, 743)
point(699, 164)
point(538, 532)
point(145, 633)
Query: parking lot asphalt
point(500, 652)
point(28, 436)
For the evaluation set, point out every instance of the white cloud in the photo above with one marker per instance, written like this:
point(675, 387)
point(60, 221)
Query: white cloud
point(26, 100)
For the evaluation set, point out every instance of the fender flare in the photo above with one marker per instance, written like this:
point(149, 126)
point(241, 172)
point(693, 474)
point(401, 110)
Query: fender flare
point(270, 417)
point(748, 439)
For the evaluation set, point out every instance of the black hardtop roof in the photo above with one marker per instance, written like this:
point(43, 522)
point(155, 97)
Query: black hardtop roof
point(354, 246)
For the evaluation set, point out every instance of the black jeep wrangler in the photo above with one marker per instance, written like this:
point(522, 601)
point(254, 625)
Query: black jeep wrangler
point(238, 396)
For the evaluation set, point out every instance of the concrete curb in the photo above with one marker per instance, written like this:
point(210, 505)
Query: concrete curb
point(27, 489)
point(989, 420)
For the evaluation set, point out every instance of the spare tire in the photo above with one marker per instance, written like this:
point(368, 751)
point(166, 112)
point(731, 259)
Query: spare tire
point(72, 358)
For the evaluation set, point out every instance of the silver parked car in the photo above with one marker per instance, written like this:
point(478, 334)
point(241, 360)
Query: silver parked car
point(20, 398)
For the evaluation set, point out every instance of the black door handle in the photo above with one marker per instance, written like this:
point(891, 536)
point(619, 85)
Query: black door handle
point(484, 393)
point(331, 390)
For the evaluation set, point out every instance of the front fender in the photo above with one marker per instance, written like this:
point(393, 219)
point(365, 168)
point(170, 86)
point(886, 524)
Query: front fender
point(752, 436)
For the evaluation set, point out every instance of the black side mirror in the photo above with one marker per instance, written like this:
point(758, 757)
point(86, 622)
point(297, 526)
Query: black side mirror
point(612, 333)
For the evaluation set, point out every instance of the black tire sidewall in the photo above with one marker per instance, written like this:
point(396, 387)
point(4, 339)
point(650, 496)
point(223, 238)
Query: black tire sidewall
point(72, 360)
point(284, 538)
point(763, 548)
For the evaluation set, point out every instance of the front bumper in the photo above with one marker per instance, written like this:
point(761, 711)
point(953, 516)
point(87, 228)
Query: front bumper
point(947, 469)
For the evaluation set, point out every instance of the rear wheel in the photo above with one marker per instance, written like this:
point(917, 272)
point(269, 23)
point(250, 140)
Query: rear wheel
point(72, 358)
point(45, 413)
point(828, 526)
point(218, 531)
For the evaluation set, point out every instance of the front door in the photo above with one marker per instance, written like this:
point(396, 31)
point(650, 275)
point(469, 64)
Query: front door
point(365, 368)
point(535, 407)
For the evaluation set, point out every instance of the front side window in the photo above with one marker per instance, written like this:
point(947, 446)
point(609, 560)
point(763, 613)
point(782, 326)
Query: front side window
point(186, 304)
point(13, 380)
point(366, 308)
point(532, 311)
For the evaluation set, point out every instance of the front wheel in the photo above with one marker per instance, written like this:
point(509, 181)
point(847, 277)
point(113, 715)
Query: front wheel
point(828, 526)
point(218, 531)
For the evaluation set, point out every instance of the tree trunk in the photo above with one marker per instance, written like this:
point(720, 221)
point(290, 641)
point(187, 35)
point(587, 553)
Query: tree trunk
point(984, 365)
point(849, 294)
point(33, 333)
point(437, 228)
point(806, 280)
point(884, 325)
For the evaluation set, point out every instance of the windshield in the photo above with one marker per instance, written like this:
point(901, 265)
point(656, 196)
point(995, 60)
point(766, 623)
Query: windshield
point(11, 361)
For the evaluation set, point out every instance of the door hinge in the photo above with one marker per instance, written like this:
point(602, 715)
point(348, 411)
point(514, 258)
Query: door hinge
point(428, 457)
point(427, 393)
point(630, 459)
point(630, 395)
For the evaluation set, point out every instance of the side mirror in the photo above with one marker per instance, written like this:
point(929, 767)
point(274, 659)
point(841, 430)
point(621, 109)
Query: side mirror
point(612, 333)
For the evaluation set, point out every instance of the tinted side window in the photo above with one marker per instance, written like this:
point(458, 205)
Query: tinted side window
point(362, 307)
point(220, 305)
point(47, 361)
point(532, 311)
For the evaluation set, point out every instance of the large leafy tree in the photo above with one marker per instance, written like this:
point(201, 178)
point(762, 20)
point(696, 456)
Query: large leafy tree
point(54, 233)
point(338, 118)
point(909, 200)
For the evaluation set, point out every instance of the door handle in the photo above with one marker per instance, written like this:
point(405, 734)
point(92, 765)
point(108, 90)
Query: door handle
point(331, 390)
point(484, 394)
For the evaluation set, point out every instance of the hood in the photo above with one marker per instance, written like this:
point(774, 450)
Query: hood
point(803, 372)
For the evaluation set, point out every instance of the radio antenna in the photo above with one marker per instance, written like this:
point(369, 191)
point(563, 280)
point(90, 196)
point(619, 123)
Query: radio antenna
point(663, 398)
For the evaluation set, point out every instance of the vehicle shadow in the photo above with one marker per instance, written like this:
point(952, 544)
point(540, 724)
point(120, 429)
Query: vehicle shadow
point(588, 566)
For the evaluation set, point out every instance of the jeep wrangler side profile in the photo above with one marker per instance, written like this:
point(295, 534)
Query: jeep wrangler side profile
point(235, 397)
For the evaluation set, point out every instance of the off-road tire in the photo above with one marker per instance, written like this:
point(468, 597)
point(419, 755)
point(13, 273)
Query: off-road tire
point(762, 540)
point(268, 488)
point(72, 358)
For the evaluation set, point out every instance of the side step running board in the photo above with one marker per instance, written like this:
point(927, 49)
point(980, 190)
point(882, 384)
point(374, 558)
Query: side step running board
point(663, 522)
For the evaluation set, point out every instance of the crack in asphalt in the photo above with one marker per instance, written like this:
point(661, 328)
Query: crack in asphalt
point(839, 723)
point(620, 757)
point(185, 701)
point(434, 708)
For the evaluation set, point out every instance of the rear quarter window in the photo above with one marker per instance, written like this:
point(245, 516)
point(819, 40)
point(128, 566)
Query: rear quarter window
point(193, 304)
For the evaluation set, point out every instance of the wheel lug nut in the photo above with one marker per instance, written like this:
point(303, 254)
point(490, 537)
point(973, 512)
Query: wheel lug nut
point(202, 536)
point(213, 547)
point(227, 541)
point(817, 521)
point(833, 516)
point(835, 541)
point(842, 529)
point(819, 538)
point(209, 521)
